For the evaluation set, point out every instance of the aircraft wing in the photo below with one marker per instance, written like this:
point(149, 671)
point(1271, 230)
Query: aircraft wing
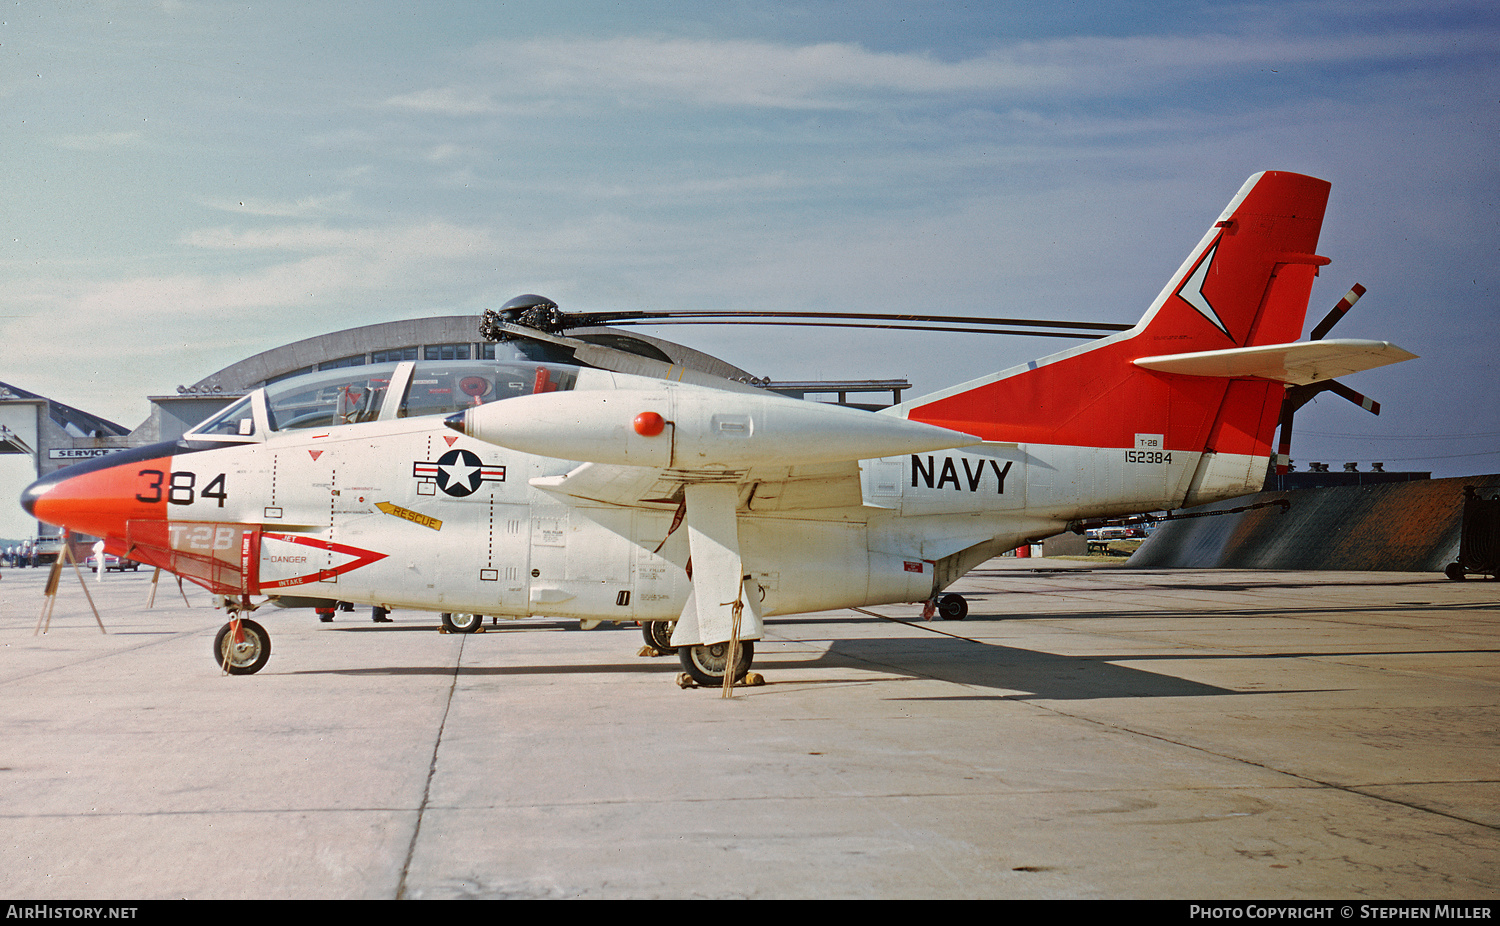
point(702, 434)
point(762, 489)
point(640, 447)
point(709, 454)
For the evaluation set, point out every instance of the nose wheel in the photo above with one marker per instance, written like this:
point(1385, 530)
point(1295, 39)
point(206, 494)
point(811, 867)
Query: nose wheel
point(243, 650)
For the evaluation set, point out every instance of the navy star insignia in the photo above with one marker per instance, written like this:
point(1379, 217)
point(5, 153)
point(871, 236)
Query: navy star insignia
point(457, 473)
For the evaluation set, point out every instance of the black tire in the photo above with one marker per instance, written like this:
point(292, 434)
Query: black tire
point(246, 658)
point(953, 607)
point(707, 664)
point(658, 635)
point(1455, 571)
point(462, 623)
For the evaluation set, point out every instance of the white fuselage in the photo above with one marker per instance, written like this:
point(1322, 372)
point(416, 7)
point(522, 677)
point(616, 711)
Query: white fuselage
point(523, 543)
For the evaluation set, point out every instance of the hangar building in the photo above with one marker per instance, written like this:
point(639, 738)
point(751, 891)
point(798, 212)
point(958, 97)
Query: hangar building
point(57, 435)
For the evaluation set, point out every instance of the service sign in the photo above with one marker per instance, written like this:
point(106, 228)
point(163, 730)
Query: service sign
point(74, 454)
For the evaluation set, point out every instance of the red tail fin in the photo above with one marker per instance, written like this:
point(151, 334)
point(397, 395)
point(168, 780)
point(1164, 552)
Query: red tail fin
point(1246, 283)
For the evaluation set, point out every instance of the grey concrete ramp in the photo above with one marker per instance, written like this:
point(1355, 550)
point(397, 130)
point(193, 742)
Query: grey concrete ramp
point(1403, 526)
point(1085, 733)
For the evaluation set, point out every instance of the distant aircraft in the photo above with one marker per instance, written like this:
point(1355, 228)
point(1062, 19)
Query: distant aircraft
point(701, 507)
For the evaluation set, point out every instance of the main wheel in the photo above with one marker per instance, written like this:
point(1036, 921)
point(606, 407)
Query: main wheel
point(245, 656)
point(462, 623)
point(953, 607)
point(658, 635)
point(707, 664)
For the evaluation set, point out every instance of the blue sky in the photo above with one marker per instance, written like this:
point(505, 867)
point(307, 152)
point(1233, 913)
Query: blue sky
point(192, 182)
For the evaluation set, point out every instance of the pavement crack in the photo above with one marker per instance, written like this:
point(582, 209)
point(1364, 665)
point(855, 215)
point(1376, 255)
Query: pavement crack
point(437, 742)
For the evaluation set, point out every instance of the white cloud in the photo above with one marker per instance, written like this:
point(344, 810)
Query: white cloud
point(733, 72)
point(421, 241)
point(445, 101)
point(100, 141)
point(643, 70)
point(281, 208)
point(327, 273)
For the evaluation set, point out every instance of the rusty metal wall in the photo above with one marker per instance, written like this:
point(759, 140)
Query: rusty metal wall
point(1403, 527)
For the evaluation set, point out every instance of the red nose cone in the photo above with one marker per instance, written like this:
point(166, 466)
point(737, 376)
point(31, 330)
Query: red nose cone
point(649, 424)
point(101, 501)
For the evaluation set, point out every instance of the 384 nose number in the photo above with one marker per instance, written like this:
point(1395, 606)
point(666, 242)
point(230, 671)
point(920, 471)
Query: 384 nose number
point(180, 488)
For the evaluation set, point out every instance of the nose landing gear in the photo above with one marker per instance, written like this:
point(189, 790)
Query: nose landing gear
point(242, 647)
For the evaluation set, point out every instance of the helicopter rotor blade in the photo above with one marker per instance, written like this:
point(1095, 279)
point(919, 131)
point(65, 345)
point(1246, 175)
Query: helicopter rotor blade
point(619, 361)
point(1298, 396)
point(849, 324)
point(968, 324)
point(1360, 399)
point(1332, 318)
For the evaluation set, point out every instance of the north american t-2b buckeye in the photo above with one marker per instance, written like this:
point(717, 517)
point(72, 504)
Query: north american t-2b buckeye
point(700, 506)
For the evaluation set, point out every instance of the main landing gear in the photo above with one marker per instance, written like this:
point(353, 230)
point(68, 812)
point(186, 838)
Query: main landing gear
point(949, 607)
point(952, 607)
point(658, 635)
point(462, 623)
point(707, 665)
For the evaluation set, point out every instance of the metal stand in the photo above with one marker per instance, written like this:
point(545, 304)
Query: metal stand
point(44, 620)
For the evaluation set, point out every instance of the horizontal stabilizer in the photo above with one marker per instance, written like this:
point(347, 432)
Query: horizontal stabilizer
point(1296, 364)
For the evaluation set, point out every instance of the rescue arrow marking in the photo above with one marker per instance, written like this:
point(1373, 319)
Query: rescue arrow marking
point(413, 516)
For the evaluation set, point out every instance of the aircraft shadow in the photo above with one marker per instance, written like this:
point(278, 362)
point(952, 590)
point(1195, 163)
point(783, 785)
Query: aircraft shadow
point(1011, 673)
point(1032, 675)
point(1021, 674)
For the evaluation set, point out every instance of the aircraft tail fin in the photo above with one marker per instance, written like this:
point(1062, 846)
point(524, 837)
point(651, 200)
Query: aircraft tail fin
point(1245, 285)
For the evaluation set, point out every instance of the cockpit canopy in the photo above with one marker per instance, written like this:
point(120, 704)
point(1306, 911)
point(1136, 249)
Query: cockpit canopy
point(384, 391)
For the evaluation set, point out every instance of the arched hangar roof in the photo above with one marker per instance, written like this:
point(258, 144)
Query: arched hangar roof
point(439, 338)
